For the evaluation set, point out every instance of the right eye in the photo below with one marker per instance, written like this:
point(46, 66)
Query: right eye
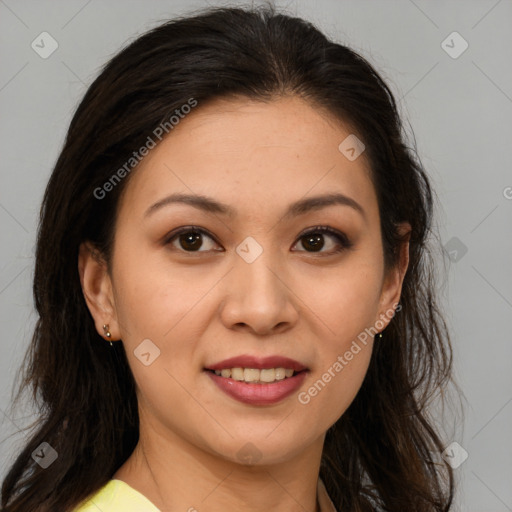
point(188, 239)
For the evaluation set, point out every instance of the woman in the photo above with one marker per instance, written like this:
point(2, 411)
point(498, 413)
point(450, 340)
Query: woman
point(236, 301)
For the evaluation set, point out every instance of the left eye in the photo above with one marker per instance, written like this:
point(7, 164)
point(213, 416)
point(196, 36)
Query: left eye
point(314, 238)
point(190, 240)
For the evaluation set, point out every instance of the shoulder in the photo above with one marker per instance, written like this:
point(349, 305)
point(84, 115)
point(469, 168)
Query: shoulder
point(116, 496)
point(100, 499)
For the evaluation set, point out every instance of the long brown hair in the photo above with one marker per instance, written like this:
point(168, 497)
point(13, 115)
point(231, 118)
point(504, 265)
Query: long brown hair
point(384, 452)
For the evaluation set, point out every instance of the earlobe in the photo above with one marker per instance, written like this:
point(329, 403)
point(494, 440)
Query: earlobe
point(97, 288)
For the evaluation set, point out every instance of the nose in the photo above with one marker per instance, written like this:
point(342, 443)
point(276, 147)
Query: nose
point(258, 298)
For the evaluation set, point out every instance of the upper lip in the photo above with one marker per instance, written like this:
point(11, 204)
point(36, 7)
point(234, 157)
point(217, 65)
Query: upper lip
point(248, 361)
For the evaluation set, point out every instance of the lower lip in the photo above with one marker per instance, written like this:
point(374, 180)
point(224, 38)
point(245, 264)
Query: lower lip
point(258, 394)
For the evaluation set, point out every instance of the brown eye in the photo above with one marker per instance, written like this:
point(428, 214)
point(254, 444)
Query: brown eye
point(189, 239)
point(314, 240)
point(192, 239)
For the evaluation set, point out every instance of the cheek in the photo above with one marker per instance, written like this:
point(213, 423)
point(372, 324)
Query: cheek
point(333, 386)
point(155, 297)
point(347, 305)
point(171, 307)
point(345, 299)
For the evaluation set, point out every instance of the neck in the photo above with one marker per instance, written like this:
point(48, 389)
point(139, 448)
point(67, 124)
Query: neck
point(175, 474)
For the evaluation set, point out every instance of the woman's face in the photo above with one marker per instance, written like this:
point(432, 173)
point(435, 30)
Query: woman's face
point(262, 280)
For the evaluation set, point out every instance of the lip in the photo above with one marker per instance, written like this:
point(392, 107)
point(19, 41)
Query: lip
point(258, 394)
point(261, 363)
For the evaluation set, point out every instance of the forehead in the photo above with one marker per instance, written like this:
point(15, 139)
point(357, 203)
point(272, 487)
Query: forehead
point(246, 152)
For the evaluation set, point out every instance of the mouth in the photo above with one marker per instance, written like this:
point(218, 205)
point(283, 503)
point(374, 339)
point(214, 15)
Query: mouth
point(258, 380)
point(255, 386)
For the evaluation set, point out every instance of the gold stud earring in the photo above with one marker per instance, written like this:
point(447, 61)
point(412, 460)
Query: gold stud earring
point(107, 333)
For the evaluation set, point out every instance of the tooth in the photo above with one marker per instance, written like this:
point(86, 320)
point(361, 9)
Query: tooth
point(237, 373)
point(280, 373)
point(267, 375)
point(255, 375)
point(251, 375)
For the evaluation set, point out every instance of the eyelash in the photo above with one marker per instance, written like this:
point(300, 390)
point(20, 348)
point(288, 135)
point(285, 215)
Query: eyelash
point(343, 242)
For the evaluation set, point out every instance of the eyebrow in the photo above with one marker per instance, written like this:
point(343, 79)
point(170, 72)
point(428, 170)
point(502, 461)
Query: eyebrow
point(210, 205)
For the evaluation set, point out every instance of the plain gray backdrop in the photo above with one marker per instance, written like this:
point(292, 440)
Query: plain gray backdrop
point(458, 101)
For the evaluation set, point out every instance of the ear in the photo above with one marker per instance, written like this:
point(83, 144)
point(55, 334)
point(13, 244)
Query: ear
point(394, 278)
point(97, 289)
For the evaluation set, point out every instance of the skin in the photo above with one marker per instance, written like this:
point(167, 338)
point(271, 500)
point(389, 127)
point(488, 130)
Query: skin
point(200, 307)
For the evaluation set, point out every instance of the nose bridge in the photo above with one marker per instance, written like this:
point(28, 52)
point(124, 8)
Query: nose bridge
point(256, 294)
point(256, 270)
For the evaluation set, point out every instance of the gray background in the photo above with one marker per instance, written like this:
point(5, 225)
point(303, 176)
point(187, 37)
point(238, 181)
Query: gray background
point(460, 111)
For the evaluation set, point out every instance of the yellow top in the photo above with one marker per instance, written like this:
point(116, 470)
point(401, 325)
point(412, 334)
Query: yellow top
point(118, 496)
